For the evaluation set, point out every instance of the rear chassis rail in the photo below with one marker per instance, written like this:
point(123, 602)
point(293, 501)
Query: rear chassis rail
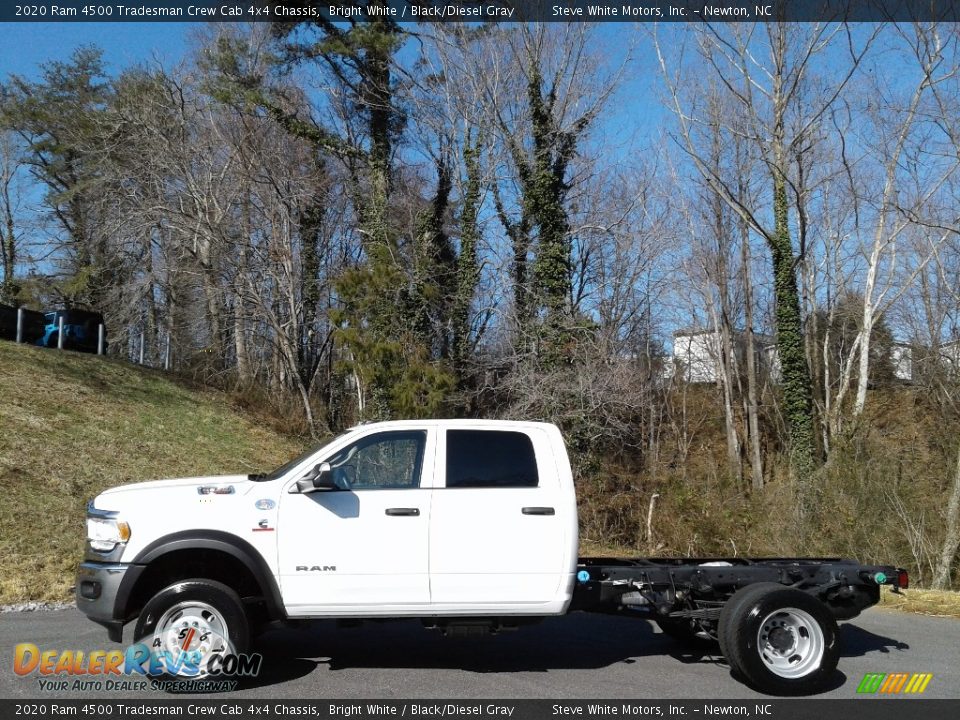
point(696, 589)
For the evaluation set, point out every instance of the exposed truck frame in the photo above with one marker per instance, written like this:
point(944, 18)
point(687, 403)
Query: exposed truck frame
point(696, 589)
point(773, 619)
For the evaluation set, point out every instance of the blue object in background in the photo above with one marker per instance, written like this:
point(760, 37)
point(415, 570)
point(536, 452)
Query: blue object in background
point(80, 330)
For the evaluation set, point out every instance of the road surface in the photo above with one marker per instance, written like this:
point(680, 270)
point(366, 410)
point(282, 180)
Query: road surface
point(580, 656)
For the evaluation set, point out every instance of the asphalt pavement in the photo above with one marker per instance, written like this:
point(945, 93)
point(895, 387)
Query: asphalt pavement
point(581, 656)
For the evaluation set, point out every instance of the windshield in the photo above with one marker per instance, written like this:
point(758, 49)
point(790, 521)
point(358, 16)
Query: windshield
point(289, 465)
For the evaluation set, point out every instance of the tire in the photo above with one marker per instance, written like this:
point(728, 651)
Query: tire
point(207, 616)
point(684, 631)
point(781, 640)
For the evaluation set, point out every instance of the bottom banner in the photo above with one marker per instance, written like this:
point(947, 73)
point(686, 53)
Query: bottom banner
point(895, 708)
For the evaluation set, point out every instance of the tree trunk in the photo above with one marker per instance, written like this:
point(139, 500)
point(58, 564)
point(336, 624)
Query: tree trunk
point(726, 351)
point(753, 421)
point(8, 289)
point(240, 339)
point(212, 296)
point(467, 268)
point(797, 395)
point(951, 540)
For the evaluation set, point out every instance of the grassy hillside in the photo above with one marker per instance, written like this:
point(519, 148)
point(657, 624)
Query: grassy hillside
point(72, 425)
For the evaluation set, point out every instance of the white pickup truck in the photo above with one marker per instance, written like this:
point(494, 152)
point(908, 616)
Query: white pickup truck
point(469, 525)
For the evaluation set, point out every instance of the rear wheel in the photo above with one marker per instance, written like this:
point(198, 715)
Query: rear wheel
point(781, 640)
point(190, 623)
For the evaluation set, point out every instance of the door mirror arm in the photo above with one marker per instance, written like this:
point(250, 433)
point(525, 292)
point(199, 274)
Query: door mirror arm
point(319, 479)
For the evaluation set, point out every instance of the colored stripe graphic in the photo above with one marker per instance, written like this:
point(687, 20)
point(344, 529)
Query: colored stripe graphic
point(870, 683)
point(888, 683)
point(894, 683)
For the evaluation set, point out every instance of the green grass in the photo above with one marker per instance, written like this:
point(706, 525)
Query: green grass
point(941, 603)
point(72, 425)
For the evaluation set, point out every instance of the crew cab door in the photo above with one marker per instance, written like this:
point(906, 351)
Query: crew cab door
point(497, 525)
point(362, 548)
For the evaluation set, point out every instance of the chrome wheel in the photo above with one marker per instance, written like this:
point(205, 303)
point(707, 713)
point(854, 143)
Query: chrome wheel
point(194, 632)
point(790, 643)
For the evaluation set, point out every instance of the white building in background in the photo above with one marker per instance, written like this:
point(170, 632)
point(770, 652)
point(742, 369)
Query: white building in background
point(950, 355)
point(696, 356)
point(901, 360)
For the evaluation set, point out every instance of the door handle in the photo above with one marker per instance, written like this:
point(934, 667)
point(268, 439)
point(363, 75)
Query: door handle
point(397, 512)
point(538, 511)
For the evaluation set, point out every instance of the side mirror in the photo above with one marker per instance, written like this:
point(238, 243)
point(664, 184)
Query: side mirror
point(320, 479)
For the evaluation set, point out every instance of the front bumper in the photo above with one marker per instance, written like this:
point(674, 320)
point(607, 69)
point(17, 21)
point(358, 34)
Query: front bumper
point(100, 593)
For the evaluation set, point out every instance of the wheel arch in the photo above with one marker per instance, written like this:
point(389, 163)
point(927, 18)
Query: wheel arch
point(218, 555)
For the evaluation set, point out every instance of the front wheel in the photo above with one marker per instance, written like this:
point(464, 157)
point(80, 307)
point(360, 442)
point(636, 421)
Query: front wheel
point(192, 624)
point(782, 640)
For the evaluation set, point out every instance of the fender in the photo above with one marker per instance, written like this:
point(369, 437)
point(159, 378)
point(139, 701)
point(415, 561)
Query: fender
point(204, 540)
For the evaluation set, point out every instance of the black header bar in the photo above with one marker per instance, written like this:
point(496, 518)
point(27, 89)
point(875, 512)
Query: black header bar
point(236, 707)
point(407, 11)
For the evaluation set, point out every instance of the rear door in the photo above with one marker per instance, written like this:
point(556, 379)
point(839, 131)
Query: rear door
point(496, 533)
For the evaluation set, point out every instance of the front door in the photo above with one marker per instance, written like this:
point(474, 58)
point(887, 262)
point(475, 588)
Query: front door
point(364, 547)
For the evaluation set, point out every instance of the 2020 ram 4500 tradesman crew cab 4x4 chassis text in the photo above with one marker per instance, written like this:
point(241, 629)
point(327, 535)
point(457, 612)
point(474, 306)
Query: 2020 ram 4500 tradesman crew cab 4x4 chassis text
point(469, 525)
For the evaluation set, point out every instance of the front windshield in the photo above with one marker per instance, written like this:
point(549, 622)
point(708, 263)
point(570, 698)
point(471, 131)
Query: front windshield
point(288, 466)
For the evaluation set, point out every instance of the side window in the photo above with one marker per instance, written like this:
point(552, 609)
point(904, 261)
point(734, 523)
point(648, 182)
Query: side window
point(380, 462)
point(490, 458)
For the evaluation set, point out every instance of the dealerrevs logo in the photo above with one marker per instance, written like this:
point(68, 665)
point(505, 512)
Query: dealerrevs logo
point(114, 669)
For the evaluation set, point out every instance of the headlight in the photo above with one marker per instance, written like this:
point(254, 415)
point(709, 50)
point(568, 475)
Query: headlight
point(105, 534)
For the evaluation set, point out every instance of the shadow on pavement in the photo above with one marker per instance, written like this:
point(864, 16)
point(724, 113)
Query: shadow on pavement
point(837, 680)
point(856, 642)
point(579, 641)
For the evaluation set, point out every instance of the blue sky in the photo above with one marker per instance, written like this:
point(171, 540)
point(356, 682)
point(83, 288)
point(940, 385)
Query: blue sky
point(26, 45)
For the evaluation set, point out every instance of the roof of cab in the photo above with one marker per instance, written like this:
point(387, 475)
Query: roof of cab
point(453, 422)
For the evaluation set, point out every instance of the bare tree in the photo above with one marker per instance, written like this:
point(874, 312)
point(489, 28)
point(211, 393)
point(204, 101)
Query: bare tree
point(767, 75)
point(10, 164)
point(541, 103)
point(900, 135)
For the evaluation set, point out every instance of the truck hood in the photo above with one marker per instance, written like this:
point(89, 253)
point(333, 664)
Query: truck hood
point(175, 486)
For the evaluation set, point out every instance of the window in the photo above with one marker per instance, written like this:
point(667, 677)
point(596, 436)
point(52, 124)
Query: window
point(487, 458)
point(379, 462)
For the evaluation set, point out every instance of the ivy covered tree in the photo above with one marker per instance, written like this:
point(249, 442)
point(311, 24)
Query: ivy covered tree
point(556, 114)
point(387, 302)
